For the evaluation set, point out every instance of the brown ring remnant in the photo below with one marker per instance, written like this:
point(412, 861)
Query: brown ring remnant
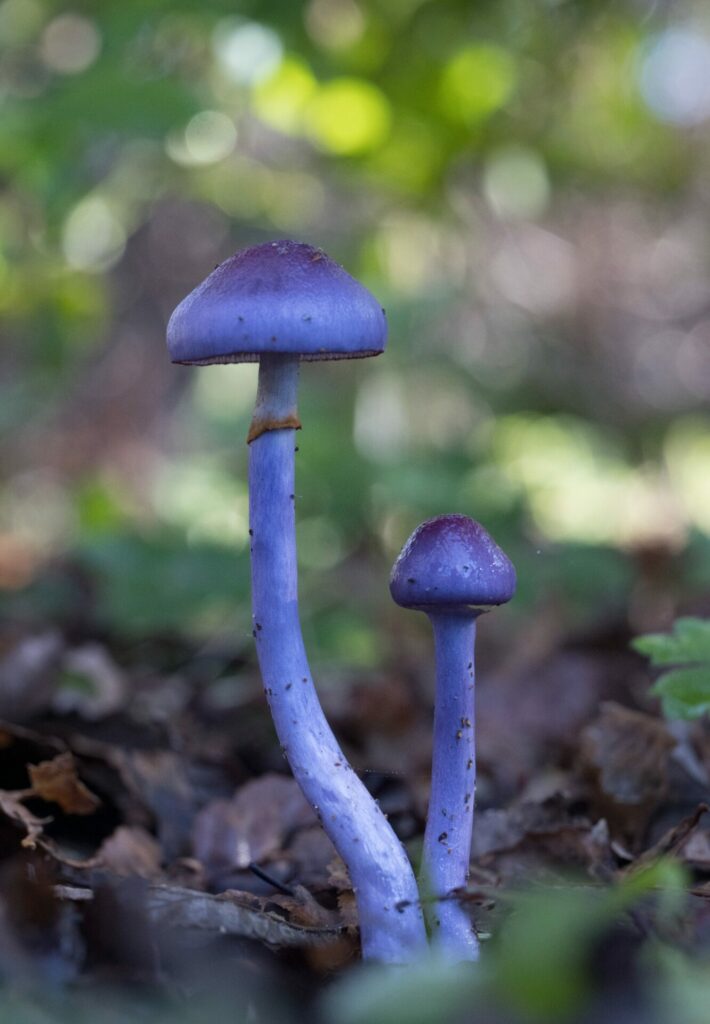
point(260, 426)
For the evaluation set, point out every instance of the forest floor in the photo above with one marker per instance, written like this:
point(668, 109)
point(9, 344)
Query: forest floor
point(156, 857)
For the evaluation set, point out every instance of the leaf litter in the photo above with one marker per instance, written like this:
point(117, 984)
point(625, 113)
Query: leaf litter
point(187, 826)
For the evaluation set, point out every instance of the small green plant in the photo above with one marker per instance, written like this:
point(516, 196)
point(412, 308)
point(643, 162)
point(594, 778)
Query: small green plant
point(685, 688)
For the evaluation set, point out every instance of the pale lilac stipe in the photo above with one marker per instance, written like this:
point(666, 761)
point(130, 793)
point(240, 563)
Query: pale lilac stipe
point(447, 840)
point(391, 921)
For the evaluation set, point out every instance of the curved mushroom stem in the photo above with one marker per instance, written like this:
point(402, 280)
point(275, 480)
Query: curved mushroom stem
point(447, 840)
point(391, 922)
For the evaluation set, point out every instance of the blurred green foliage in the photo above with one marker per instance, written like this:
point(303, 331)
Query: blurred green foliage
point(685, 689)
point(520, 185)
point(539, 968)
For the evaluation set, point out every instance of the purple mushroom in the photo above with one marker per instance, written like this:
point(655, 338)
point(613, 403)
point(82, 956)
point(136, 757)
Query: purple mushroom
point(280, 303)
point(453, 570)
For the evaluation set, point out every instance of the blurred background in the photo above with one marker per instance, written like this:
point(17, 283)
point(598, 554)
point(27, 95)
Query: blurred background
point(524, 187)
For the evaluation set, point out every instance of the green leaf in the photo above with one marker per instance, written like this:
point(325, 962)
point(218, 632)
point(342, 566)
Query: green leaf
point(685, 692)
point(682, 986)
point(542, 951)
point(689, 643)
point(434, 990)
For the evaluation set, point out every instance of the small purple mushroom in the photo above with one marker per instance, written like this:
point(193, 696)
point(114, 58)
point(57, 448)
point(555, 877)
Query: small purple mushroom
point(453, 570)
point(280, 303)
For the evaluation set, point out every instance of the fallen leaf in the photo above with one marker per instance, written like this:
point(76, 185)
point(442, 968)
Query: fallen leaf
point(338, 876)
point(234, 913)
point(539, 838)
point(90, 683)
point(674, 839)
point(256, 822)
point(131, 851)
point(304, 909)
point(521, 726)
point(56, 781)
point(311, 852)
point(625, 753)
point(339, 879)
point(503, 829)
point(12, 806)
point(695, 851)
point(28, 675)
point(169, 785)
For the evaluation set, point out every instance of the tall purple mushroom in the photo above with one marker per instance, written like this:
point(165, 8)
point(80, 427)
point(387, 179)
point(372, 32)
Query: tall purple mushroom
point(453, 570)
point(281, 303)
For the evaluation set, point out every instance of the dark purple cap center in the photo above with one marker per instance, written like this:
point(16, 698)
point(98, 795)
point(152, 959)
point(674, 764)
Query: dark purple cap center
point(451, 562)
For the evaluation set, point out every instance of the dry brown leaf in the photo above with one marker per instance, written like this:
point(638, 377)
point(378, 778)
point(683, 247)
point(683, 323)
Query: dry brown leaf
point(504, 829)
point(626, 753)
point(538, 839)
point(695, 851)
point(310, 853)
point(11, 805)
point(234, 913)
point(56, 781)
point(162, 781)
point(304, 910)
point(339, 879)
point(131, 851)
point(348, 911)
point(253, 824)
point(338, 876)
point(674, 839)
point(523, 726)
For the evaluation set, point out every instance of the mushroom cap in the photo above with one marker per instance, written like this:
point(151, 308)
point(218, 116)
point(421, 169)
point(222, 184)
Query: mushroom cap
point(450, 563)
point(281, 297)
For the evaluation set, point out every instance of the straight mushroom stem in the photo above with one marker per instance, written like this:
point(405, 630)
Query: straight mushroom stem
point(391, 922)
point(276, 396)
point(447, 840)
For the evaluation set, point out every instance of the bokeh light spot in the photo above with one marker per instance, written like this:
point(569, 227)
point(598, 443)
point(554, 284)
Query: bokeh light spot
point(687, 454)
point(93, 237)
point(20, 20)
point(70, 44)
point(224, 393)
point(578, 487)
point(515, 183)
point(281, 99)
point(536, 270)
point(320, 545)
point(36, 508)
point(204, 499)
point(247, 51)
point(477, 81)
point(381, 424)
point(410, 158)
point(675, 76)
point(348, 116)
point(334, 24)
point(209, 137)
